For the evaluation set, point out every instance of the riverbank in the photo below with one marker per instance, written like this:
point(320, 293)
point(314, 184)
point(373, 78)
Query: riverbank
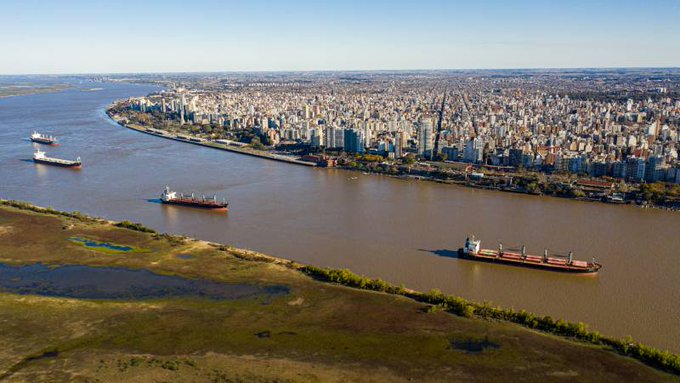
point(317, 330)
point(561, 186)
point(514, 190)
point(662, 196)
point(209, 144)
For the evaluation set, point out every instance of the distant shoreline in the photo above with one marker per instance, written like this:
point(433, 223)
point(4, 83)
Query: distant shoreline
point(15, 90)
point(360, 70)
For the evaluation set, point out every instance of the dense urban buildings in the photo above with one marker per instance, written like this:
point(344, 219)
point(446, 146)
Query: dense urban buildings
point(622, 124)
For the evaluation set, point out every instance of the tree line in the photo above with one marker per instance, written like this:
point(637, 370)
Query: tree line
point(663, 360)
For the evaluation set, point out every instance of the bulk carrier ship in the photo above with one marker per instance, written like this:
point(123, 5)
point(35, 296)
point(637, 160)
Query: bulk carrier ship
point(569, 265)
point(43, 139)
point(40, 158)
point(173, 198)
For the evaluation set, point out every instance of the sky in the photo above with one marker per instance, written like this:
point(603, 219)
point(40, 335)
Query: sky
point(122, 36)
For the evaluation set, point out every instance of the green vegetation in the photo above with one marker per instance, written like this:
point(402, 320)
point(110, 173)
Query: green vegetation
point(256, 143)
point(533, 188)
point(174, 240)
point(369, 158)
point(370, 163)
point(660, 192)
point(105, 247)
point(75, 214)
point(135, 226)
point(333, 325)
point(48, 210)
point(459, 306)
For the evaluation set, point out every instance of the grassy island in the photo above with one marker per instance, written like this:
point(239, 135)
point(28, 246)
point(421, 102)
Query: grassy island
point(275, 321)
point(15, 90)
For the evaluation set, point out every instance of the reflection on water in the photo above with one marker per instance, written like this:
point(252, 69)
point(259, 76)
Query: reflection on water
point(171, 215)
point(109, 247)
point(86, 282)
point(374, 225)
point(41, 171)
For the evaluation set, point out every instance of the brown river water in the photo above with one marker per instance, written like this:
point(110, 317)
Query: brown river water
point(402, 231)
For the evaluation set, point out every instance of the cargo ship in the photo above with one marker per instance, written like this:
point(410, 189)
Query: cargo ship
point(173, 198)
point(40, 158)
point(43, 139)
point(567, 264)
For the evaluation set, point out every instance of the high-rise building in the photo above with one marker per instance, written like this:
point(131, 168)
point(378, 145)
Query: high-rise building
point(182, 108)
point(354, 141)
point(598, 169)
point(339, 138)
point(451, 153)
point(425, 137)
point(576, 164)
point(399, 145)
point(316, 137)
point(635, 169)
point(368, 133)
point(673, 175)
point(619, 169)
point(329, 137)
point(474, 151)
point(515, 157)
point(654, 164)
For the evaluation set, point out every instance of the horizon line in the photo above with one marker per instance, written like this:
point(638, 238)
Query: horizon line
point(347, 70)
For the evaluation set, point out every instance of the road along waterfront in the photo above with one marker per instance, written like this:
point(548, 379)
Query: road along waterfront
point(215, 145)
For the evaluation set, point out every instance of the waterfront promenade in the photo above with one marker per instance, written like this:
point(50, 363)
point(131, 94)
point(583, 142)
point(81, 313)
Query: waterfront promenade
point(212, 144)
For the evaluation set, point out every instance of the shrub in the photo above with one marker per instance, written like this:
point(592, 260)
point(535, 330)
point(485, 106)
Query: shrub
point(663, 360)
point(134, 226)
point(48, 210)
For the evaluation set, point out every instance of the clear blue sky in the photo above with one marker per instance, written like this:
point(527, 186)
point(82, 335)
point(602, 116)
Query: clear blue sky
point(88, 36)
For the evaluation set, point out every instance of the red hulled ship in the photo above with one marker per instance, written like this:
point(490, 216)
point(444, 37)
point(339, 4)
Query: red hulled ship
point(564, 264)
point(173, 198)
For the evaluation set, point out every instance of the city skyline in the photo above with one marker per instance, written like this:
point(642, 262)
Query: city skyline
point(537, 120)
point(77, 37)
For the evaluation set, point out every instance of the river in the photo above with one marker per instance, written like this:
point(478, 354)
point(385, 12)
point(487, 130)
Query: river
point(401, 231)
